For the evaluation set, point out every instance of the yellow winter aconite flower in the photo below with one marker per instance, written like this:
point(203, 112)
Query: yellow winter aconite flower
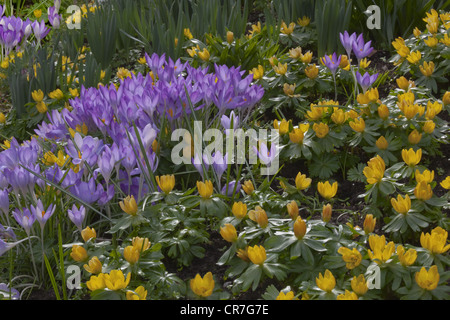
point(297, 135)
point(37, 95)
point(205, 189)
point(352, 258)
point(436, 242)
point(258, 72)
point(359, 285)
point(401, 205)
point(280, 69)
point(131, 254)
point(307, 57)
point(381, 252)
point(364, 64)
point(187, 33)
point(94, 266)
point(292, 209)
point(304, 22)
point(259, 215)
point(411, 158)
point(406, 258)
point(374, 171)
point(37, 13)
point(417, 32)
point(321, 130)
point(431, 42)
point(138, 294)
point(116, 280)
point(302, 182)
point(414, 57)
point(57, 94)
point(299, 228)
point(446, 98)
point(426, 176)
point(203, 287)
point(327, 211)
point(2, 118)
point(339, 117)
point(327, 190)
point(369, 223)
point(228, 232)
point(239, 210)
point(427, 69)
point(96, 282)
point(414, 137)
point(141, 244)
point(287, 30)
point(129, 205)
point(326, 282)
point(257, 254)
point(345, 63)
point(295, 53)
point(428, 280)
point(403, 83)
point(311, 71)
point(282, 126)
point(79, 253)
point(315, 113)
point(383, 112)
point(382, 143)
point(166, 183)
point(433, 109)
point(429, 126)
point(347, 296)
point(41, 107)
point(88, 234)
point(248, 187)
point(204, 54)
point(359, 125)
point(123, 73)
point(286, 296)
point(446, 183)
point(230, 37)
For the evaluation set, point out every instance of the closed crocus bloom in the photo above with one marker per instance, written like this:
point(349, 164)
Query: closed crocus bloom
point(359, 285)
point(131, 254)
point(257, 254)
point(248, 187)
point(141, 244)
point(401, 205)
point(239, 210)
point(423, 191)
point(79, 253)
point(428, 280)
point(202, 287)
point(446, 183)
point(286, 296)
point(347, 296)
point(411, 158)
point(138, 294)
point(88, 234)
point(383, 112)
point(205, 189)
point(321, 130)
point(369, 224)
point(352, 258)
point(96, 282)
point(94, 266)
point(414, 137)
point(292, 209)
point(302, 182)
point(429, 127)
point(406, 258)
point(374, 171)
point(427, 69)
point(166, 183)
point(299, 228)
point(436, 242)
point(381, 252)
point(116, 280)
point(327, 190)
point(326, 282)
point(228, 232)
point(338, 117)
point(358, 125)
point(426, 176)
point(382, 143)
point(327, 211)
point(311, 71)
point(129, 205)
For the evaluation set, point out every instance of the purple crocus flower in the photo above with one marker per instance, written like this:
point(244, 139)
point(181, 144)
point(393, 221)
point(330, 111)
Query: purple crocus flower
point(199, 163)
point(264, 154)
point(2, 10)
point(106, 163)
point(25, 218)
point(332, 63)
point(12, 294)
point(84, 149)
point(41, 214)
point(367, 80)
point(227, 121)
point(77, 216)
point(7, 233)
point(89, 191)
point(4, 202)
point(40, 30)
point(228, 189)
point(219, 163)
point(347, 42)
point(53, 17)
point(361, 49)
